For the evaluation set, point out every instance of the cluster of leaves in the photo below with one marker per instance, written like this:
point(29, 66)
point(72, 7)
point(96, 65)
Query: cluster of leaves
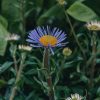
point(70, 74)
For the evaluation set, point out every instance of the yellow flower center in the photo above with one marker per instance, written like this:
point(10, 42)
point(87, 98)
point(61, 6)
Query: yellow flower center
point(94, 27)
point(48, 40)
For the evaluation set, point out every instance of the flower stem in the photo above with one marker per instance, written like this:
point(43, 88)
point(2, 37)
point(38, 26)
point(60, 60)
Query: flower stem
point(14, 47)
point(22, 16)
point(18, 77)
point(76, 39)
point(48, 76)
point(73, 33)
point(93, 64)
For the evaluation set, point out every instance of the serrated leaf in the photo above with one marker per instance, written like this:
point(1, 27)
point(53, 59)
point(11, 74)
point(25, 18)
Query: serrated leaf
point(81, 12)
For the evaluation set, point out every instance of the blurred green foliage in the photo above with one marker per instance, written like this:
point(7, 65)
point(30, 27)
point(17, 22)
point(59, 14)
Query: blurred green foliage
point(69, 74)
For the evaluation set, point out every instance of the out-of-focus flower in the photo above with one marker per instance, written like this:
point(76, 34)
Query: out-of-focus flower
point(67, 51)
point(24, 48)
point(47, 38)
point(93, 26)
point(62, 2)
point(12, 37)
point(75, 97)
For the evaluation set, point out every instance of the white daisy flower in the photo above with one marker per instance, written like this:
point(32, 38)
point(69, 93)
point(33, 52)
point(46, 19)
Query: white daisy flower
point(93, 25)
point(74, 97)
point(24, 48)
point(12, 37)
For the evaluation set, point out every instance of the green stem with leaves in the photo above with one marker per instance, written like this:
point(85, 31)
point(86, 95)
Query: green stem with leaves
point(73, 32)
point(59, 72)
point(47, 74)
point(93, 63)
point(18, 77)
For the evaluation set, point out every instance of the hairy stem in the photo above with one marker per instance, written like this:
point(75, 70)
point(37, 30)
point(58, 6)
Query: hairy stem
point(18, 77)
point(93, 60)
point(48, 76)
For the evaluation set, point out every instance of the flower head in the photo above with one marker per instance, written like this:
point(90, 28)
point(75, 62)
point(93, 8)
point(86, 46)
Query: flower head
point(62, 2)
point(24, 48)
point(67, 51)
point(74, 97)
point(13, 37)
point(93, 26)
point(45, 37)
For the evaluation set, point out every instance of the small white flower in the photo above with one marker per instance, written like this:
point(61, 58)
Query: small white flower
point(24, 48)
point(74, 97)
point(93, 25)
point(13, 37)
point(68, 98)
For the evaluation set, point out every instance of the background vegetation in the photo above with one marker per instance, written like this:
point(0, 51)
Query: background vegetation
point(21, 16)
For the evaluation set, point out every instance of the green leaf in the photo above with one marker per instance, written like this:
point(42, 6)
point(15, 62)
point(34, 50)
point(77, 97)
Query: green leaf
point(30, 72)
point(38, 3)
point(28, 12)
point(3, 34)
point(10, 10)
point(98, 91)
point(11, 81)
point(71, 63)
point(2, 83)
point(81, 12)
point(97, 98)
point(3, 42)
point(5, 66)
point(50, 14)
point(98, 61)
point(3, 21)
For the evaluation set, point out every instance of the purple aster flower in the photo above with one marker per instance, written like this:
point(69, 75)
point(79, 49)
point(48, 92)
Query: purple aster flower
point(45, 37)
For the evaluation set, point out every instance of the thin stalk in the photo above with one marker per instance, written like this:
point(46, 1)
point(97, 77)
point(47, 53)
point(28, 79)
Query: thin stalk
point(22, 15)
point(48, 75)
point(93, 64)
point(18, 77)
point(15, 63)
point(14, 56)
point(73, 33)
point(14, 59)
point(76, 39)
point(60, 71)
